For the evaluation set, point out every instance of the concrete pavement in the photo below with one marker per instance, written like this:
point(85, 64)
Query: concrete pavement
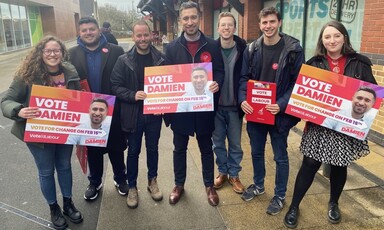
point(361, 204)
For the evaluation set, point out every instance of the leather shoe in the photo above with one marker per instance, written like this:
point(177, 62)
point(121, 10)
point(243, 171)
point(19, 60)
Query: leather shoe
point(213, 198)
point(237, 186)
point(220, 180)
point(290, 219)
point(334, 215)
point(176, 193)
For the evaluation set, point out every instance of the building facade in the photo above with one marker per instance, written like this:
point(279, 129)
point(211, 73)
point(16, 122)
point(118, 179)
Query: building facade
point(302, 19)
point(23, 22)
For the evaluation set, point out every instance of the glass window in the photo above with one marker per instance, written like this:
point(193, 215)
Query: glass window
point(318, 14)
point(3, 43)
point(17, 26)
point(352, 16)
point(35, 24)
point(292, 17)
point(25, 26)
point(8, 27)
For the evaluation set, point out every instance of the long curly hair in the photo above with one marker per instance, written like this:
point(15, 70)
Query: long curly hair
point(33, 66)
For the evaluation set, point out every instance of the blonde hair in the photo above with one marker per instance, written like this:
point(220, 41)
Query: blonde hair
point(226, 14)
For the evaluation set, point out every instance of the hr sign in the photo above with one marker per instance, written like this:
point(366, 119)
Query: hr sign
point(348, 10)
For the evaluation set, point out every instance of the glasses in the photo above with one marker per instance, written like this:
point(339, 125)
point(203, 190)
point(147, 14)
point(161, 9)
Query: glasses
point(48, 52)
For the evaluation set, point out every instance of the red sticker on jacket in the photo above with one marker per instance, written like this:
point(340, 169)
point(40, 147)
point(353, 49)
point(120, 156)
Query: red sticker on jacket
point(105, 50)
point(206, 57)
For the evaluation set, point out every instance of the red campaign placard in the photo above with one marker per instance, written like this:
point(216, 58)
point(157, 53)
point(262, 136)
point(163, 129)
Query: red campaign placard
point(69, 117)
point(178, 88)
point(260, 94)
point(82, 157)
point(335, 101)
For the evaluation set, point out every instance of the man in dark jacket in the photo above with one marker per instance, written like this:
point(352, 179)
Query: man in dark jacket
point(276, 58)
point(128, 85)
point(193, 47)
point(228, 119)
point(106, 30)
point(94, 59)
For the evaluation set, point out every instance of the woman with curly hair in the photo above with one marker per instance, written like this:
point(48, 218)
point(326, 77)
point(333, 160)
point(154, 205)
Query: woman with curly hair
point(45, 65)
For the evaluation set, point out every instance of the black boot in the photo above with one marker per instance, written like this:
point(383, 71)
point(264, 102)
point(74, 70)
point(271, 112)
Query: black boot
point(334, 215)
point(71, 211)
point(290, 219)
point(57, 217)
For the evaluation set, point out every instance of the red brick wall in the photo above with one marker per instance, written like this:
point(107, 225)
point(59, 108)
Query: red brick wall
point(249, 26)
point(372, 45)
point(372, 40)
point(206, 22)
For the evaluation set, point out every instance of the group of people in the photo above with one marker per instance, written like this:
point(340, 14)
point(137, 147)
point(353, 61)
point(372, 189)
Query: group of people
point(274, 57)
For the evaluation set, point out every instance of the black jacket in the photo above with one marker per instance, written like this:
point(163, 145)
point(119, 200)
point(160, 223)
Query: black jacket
point(285, 79)
point(241, 45)
point(177, 53)
point(125, 84)
point(109, 55)
point(356, 66)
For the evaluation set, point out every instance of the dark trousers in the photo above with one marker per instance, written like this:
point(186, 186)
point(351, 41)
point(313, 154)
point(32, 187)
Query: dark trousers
point(96, 166)
point(180, 142)
point(150, 126)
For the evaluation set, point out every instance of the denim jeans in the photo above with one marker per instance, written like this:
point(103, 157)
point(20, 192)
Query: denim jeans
point(257, 133)
point(49, 158)
point(96, 166)
point(228, 125)
point(180, 141)
point(151, 126)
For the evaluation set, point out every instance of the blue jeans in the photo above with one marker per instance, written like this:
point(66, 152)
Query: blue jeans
point(151, 126)
point(257, 133)
point(228, 125)
point(180, 141)
point(47, 159)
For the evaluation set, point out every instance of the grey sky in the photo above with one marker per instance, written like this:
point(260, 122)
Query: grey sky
point(124, 5)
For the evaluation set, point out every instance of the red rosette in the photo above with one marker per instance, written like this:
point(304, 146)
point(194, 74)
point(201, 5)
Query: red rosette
point(205, 57)
point(105, 50)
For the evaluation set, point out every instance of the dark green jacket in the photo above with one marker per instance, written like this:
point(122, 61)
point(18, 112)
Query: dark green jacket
point(19, 93)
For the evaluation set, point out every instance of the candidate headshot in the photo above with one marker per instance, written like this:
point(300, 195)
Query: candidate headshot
point(362, 101)
point(98, 111)
point(199, 78)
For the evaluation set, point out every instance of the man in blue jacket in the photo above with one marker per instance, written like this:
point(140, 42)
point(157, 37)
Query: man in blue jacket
point(128, 85)
point(193, 47)
point(275, 57)
point(94, 59)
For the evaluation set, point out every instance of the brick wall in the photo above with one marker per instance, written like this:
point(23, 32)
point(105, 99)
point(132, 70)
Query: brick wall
point(207, 17)
point(249, 25)
point(372, 46)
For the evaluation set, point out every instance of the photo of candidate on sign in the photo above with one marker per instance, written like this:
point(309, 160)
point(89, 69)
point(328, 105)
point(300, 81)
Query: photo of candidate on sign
point(178, 88)
point(70, 117)
point(341, 103)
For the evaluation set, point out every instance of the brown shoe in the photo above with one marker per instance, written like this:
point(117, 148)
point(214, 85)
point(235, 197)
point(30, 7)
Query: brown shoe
point(219, 181)
point(176, 193)
point(237, 186)
point(213, 198)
